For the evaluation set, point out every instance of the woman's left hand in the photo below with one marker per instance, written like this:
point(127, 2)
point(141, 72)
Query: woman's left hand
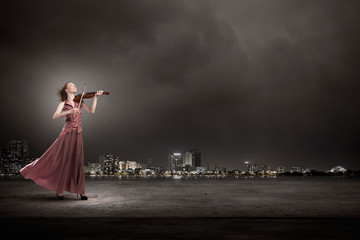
point(99, 92)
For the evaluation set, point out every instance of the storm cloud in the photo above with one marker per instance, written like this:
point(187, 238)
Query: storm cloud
point(271, 82)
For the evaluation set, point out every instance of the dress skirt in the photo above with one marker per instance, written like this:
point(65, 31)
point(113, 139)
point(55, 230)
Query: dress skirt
point(61, 167)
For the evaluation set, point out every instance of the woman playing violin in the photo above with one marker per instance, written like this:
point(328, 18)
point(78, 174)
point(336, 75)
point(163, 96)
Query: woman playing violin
point(61, 167)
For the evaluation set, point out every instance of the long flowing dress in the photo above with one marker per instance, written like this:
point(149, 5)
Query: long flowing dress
point(61, 167)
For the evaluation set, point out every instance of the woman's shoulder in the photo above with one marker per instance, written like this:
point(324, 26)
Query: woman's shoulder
point(62, 104)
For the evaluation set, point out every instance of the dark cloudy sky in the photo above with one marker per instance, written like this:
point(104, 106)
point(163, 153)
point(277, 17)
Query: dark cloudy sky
point(270, 82)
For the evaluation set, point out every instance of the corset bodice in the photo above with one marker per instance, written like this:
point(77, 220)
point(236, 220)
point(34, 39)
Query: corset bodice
point(72, 123)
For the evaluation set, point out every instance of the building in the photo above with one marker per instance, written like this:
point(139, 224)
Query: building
point(121, 165)
point(188, 159)
point(265, 169)
point(251, 168)
point(280, 169)
point(200, 170)
point(337, 169)
point(132, 165)
point(220, 170)
point(4, 162)
point(14, 157)
point(175, 162)
point(295, 170)
point(128, 165)
point(109, 163)
point(19, 150)
point(195, 158)
point(157, 169)
point(191, 160)
point(93, 168)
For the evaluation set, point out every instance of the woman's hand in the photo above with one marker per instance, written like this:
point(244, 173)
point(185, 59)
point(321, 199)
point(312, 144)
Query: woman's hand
point(99, 92)
point(74, 110)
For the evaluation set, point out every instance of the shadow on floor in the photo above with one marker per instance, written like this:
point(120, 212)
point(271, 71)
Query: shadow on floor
point(182, 228)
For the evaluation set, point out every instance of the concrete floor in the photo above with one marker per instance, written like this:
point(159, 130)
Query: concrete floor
point(216, 208)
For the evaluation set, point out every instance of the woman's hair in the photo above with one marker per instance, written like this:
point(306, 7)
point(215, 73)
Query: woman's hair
point(62, 93)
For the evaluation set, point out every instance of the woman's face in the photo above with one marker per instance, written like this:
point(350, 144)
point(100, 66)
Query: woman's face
point(71, 88)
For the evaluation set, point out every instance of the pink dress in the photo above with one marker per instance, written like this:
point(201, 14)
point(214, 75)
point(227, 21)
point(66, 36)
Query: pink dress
point(61, 167)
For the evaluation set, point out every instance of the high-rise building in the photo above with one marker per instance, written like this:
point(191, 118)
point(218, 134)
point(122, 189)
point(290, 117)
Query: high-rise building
point(265, 169)
point(128, 165)
point(18, 151)
point(175, 161)
point(18, 147)
point(132, 165)
point(196, 157)
point(295, 170)
point(107, 162)
point(93, 168)
point(14, 157)
point(255, 168)
point(122, 165)
point(280, 169)
point(4, 162)
point(251, 168)
point(188, 159)
point(192, 160)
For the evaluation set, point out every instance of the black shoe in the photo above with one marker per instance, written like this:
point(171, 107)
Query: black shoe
point(60, 197)
point(82, 197)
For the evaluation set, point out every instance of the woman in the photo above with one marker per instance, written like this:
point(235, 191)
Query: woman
point(61, 167)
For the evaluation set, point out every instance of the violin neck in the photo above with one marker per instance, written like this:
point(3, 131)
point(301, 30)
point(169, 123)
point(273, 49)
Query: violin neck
point(107, 93)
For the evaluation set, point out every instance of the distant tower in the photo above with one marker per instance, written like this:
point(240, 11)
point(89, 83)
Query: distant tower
point(108, 163)
point(280, 169)
point(19, 150)
point(196, 157)
point(150, 160)
point(175, 161)
point(188, 160)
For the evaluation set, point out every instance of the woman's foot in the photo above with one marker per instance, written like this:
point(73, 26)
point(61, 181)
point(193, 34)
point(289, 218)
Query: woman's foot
point(83, 197)
point(60, 196)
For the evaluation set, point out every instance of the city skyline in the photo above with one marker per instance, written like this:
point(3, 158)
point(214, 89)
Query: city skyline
point(16, 155)
point(271, 82)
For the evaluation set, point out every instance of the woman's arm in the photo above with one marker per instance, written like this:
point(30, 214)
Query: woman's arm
point(93, 106)
point(58, 114)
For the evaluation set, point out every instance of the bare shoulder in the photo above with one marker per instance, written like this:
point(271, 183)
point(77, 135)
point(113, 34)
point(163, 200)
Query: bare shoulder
point(61, 105)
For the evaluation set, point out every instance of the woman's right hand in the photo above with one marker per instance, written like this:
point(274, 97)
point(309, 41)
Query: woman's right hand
point(74, 110)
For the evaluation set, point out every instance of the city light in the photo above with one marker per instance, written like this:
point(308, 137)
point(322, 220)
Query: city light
point(186, 164)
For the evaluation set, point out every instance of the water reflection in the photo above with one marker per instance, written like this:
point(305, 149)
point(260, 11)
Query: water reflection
point(171, 177)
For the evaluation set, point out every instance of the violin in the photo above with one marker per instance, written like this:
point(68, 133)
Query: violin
point(87, 95)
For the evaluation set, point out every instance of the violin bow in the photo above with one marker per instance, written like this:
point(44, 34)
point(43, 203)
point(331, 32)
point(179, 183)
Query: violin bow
point(81, 99)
